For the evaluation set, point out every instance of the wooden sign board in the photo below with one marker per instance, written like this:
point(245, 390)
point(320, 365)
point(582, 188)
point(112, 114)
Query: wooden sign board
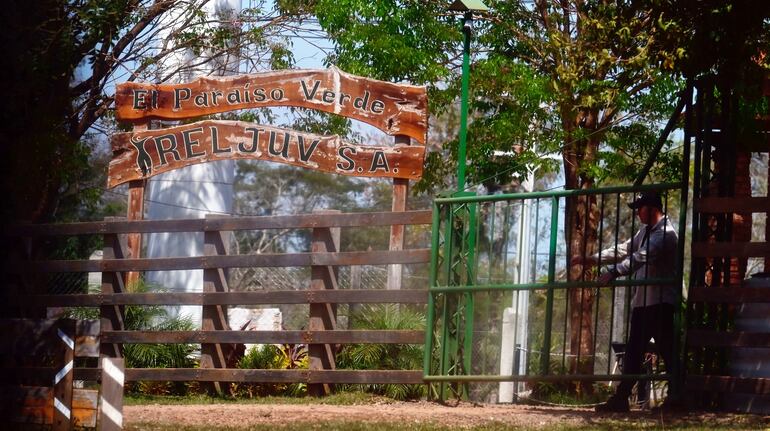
point(143, 154)
point(396, 109)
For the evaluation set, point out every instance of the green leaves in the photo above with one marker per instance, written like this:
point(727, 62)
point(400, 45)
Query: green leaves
point(542, 78)
point(386, 356)
point(387, 40)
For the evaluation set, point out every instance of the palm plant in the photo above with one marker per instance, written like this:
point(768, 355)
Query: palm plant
point(386, 356)
point(149, 318)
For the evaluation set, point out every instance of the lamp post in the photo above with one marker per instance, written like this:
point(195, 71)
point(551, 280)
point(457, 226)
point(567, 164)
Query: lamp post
point(467, 7)
point(457, 343)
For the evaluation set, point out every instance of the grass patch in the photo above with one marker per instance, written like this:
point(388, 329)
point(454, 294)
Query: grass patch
point(340, 399)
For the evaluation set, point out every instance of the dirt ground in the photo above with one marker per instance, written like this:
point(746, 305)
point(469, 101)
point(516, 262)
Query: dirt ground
point(425, 413)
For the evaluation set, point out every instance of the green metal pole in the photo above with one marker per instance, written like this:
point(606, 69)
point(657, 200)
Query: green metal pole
point(467, 20)
point(448, 338)
point(545, 358)
point(431, 311)
point(470, 279)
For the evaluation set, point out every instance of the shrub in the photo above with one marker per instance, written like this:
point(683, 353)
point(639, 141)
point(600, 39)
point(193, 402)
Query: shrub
point(272, 357)
point(386, 356)
point(150, 318)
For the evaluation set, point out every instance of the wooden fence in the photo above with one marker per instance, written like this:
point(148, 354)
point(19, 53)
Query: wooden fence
point(321, 335)
point(37, 379)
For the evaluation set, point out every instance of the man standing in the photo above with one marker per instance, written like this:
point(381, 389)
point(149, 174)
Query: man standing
point(650, 254)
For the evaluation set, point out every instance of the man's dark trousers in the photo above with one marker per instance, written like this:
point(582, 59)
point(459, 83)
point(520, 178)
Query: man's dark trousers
point(653, 321)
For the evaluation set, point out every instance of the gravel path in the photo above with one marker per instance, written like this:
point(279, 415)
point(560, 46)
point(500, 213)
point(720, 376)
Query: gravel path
point(462, 415)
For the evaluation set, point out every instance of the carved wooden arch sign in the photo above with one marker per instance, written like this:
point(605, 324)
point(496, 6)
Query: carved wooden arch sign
point(143, 154)
point(396, 109)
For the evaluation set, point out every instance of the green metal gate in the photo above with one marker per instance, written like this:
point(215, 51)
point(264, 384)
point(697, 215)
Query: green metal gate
point(475, 282)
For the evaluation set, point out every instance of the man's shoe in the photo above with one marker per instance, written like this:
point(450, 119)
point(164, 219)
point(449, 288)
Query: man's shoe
point(613, 405)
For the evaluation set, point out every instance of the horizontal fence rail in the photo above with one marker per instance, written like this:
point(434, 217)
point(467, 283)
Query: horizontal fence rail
point(383, 257)
point(360, 296)
point(214, 224)
point(323, 295)
point(232, 375)
point(267, 337)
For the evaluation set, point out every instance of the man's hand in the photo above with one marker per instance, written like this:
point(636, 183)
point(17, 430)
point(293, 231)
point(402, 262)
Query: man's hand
point(607, 277)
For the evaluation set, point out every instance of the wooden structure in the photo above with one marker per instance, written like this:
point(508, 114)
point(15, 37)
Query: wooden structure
point(722, 245)
point(37, 375)
point(141, 155)
point(111, 400)
point(400, 110)
point(396, 109)
point(321, 334)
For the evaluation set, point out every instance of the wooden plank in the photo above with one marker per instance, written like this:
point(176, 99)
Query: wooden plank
point(398, 204)
point(366, 377)
point(213, 375)
point(378, 257)
point(26, 404)
point(111, 317)
point(113, 378)
point(716, 205)
point(39, 376)
point(135, 212)
point(190, 374)
point(214, 317)
point(393, 108)
point(707, 338)
point(742, 385)
point(731, 295)
point(381, 257)
point(34, 405)
point(222, 223)
point(141, 155)
point(29, 338)
point(364, 296)
point(274, 376)
point(84, 407)
point(323, 316)
point(62, 382)
point(268, 337)
point(730, 249)
point(386, 218)
point(87, 339)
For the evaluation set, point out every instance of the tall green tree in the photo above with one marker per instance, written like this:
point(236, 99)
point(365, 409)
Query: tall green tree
point(549, 76)
point(63, 59)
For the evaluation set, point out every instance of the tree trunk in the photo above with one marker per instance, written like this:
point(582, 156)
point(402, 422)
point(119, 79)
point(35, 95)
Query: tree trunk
point(581, 230)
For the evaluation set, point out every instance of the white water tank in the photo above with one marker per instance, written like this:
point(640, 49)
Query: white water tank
point(751, 362)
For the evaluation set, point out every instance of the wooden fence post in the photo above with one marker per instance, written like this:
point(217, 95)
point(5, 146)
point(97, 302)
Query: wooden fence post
point(323, 316)
point(62, 384)
point(400, 192)
point(214, 317)
point(135, 211)
point(111, 399)
point(111, 316)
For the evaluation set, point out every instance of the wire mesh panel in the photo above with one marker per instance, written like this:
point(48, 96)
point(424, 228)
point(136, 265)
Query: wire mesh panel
point(508, 302)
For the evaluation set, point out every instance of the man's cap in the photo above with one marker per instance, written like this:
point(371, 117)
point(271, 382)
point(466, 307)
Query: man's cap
point(650, 199)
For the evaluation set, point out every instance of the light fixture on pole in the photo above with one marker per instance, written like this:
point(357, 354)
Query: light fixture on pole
point(467, 7)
